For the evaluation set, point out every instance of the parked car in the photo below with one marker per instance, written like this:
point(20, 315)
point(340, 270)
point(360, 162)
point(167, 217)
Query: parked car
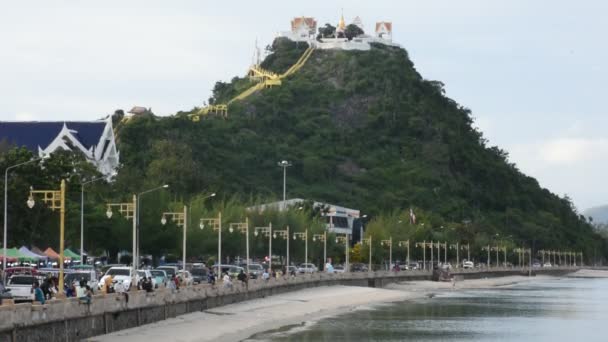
point(338, 269)
point(414, 266)
point(467, 264)
point(170, 270)
point(234, 271)
point(292, 270)
point(89, 277)
point(536, 265)
point(358, 267)
point(160, 277)
point(223, 268)
point(199, 275)
point(20, 270)
point(307, 268)
point(547, 264)
point(255, 271)
point(20, 287)
point(121, 276)
point(185, 277)
point(141, 274)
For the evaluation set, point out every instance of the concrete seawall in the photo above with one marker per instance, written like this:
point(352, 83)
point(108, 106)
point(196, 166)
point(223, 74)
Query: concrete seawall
point(70, 320)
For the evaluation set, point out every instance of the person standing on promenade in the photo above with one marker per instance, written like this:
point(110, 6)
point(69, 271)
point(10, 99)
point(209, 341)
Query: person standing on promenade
point(266, 275)
point(242, 277)
point(38, 295)
point(329, 268)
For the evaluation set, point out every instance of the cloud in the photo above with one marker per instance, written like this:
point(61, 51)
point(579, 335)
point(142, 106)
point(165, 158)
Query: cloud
point(573, 150)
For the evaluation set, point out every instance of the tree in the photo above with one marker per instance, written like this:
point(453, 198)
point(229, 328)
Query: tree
point(352, 31)
point(326, 31)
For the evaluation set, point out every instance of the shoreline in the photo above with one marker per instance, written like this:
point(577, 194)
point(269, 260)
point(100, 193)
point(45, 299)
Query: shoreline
point(241, 321)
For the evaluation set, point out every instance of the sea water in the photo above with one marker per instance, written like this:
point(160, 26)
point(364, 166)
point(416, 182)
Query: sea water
point(566, 309)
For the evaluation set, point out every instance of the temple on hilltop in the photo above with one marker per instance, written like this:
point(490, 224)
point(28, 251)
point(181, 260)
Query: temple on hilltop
point(305, 29)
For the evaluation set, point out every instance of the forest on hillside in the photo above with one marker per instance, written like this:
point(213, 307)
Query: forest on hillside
point(363, 129)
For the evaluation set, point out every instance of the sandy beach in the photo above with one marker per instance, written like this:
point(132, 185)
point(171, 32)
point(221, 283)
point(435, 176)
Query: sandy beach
point(239, 321)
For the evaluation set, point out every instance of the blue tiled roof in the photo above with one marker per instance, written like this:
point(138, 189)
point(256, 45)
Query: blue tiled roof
point(33, 134)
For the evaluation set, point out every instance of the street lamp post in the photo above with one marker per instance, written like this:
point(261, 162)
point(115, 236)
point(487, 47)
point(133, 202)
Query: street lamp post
point(369, 242)
point(456, 247)
point(181, 220)
point(496, 249)
point(361, 227)
point(267, 231)
point(82, 216)
point(285, 235)
point(129, 210)
point(56, 200)
point(344, 239)
point(430, 245)
point(137, 255)
point(4, 236)
point(467, 247)
point(423, 245)
point(284, 164)
point(488, 249)
point(389, 243)
point(216, 225)
point(242, 227)
point(322, 238)
point(406, 244)
point(303, 236)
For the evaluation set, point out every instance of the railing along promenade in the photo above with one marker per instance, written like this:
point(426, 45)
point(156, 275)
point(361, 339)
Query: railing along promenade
point(71, 320)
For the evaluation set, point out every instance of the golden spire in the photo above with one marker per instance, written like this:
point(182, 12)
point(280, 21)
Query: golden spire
point(341, 23)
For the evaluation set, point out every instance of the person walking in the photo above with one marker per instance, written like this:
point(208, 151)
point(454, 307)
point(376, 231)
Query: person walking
point(211, 277)
point(227, 281)
point(38, 295)
point(266, 275)
point(242, 277)
point(329, 267)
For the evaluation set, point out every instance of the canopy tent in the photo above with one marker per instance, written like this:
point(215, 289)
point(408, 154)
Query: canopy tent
point(16, 254)
point(49, 252)
point(8, 259)
point(68, 253)
point(38, 251)
point(30, 254)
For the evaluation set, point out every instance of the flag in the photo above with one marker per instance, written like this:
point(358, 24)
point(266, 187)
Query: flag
point(412, 217)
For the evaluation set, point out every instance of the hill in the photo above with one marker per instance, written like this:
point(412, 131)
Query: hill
point(365, 130)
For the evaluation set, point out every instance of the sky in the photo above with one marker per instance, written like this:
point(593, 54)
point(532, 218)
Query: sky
point(532, 72)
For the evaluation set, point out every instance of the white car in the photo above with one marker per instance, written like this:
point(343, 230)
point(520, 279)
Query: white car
point(467, 264)
point(185, 277)
point(121, 276)
point(20, 286)
point(547, 264)
point(147, 274)
point(307, 268)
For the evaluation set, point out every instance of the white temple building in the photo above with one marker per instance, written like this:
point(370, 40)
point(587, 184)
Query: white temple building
point(304, 29)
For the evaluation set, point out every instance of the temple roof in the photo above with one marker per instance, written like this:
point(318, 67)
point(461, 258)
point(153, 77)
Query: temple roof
point(388, 25)
point(36, 134)
point(308, 21)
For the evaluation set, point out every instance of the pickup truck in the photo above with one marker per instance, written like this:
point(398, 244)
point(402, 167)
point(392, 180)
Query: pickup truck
point(20, 287)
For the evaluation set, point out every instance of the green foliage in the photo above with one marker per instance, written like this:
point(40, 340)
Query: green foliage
point(353, 31)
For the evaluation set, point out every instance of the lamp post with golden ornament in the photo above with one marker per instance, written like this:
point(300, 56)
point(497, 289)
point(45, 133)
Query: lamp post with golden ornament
point(368, 241)
point(388, 243)
point(181, 220)
point(216, 225)
point(322, 238)
point(128, 210)
point(56, 200)
point(243, 228)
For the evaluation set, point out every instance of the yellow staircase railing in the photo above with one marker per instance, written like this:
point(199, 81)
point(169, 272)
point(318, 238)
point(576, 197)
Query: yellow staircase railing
point(267, 79)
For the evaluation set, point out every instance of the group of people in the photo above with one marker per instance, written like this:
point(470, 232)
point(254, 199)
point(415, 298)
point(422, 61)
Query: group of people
point(46, 291)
